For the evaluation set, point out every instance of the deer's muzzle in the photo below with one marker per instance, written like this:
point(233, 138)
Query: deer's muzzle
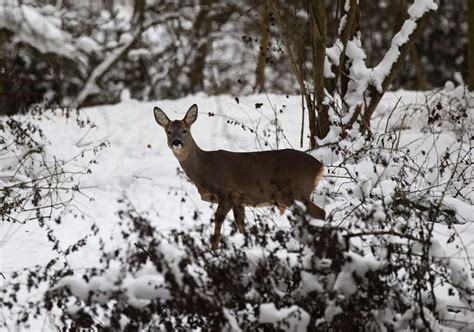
point(177, 144)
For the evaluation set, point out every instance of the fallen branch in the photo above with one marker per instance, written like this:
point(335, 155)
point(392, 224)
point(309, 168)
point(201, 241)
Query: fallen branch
point(91, 87)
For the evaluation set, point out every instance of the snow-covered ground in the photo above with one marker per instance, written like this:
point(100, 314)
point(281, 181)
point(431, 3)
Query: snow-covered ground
point(139, 166)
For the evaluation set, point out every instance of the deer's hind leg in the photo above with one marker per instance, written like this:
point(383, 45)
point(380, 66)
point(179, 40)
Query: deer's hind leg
point(239, 216)
point(222, 209)
point(314, 210)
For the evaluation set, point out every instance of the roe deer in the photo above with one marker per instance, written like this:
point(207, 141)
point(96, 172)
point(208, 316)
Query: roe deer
point(238, 179)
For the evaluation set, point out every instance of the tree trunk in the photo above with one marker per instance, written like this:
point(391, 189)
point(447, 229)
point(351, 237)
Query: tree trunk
point(299, 75)
point(348, 32)
point(318, 23)
point(139, 12)
point(470, 49)
point(401, 7)
point(421, 83)
point(196, 71)
point(264, 37)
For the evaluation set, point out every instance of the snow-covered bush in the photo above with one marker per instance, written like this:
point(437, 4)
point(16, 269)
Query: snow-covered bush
point(315, 277)
point(34, 182)
point(376, 264)
point(37, 188)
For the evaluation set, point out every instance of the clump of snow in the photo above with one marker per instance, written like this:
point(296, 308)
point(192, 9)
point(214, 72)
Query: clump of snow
point(460, 275)
point(296, 318)
point(310, 283)
point(142, 289)
point(355, 264)
point(88, 45)
point(420, 7)
point(139, 289)
point(359, 73)
point(463, 210)
point(78, 286)
point(334, 52)
point(125, 95)
point(332, 310)
point(135, 54)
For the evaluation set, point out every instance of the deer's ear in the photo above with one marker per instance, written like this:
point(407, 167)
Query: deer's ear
point(161, 117)
point(191, 115)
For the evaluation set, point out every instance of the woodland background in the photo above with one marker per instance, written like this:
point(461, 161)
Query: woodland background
point(164, 49)
point(100, 228)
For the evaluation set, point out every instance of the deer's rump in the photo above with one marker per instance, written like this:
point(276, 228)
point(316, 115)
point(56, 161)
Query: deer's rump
point(257, 178)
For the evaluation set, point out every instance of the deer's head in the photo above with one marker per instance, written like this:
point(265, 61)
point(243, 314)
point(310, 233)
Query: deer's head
point(178, 131)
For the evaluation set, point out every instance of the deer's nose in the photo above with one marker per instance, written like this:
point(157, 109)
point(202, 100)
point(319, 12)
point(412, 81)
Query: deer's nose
point(176, 142)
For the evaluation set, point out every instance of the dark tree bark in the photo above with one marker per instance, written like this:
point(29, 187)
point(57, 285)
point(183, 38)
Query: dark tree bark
point(139, 12)
point(347, 33)
point(470, 50)
point(264, 38)
point(317, 10)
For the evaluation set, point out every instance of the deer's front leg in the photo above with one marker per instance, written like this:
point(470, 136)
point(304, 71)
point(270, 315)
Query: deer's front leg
point(222, 209)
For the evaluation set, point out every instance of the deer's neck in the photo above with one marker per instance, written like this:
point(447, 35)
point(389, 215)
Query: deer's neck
point(190, 159)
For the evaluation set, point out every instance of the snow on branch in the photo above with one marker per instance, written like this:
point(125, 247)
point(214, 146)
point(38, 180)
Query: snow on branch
point(416, 11)
point(376, 79)
point(31, 27)
point(91, 87)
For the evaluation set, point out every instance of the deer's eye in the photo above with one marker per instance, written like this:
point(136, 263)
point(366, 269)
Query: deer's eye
point(168, 132)
point(184, 131)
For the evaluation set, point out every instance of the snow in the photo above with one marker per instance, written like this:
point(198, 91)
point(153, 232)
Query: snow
point(139, 289)
point(464, 211)
point(420, 7)
point(360, 265)
point(310, 283)
point(331, 310)
point(139, 165)
point(297, 318)
point(88, 45)
point(145, 288)
point(359, 73)
point(334, 52)
point(78, 286)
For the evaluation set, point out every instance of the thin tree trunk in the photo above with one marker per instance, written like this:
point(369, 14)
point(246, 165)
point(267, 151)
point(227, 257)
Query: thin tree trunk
point(298, 75)
point(319, 36)
point(421, 83)
point(91, 86)
point(201, 27)
point(3, 74)
point(347, 33)
point(264, 37)
point(401, 7)
point(139, 12)
point(470, 49)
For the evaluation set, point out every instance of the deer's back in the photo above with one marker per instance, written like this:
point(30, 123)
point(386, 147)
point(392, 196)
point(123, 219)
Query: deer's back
point(260, 177)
